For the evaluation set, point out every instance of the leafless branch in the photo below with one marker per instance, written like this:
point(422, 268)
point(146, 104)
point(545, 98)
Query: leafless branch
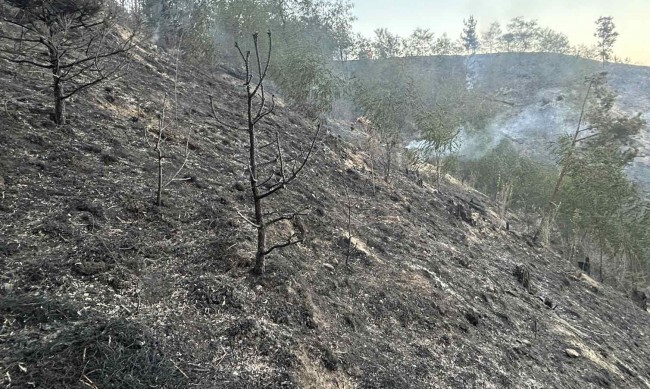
point(587, 137)
point(219, 121)
point(247, 219)
point(289, 242)
point(289, 216)
point(295, 171)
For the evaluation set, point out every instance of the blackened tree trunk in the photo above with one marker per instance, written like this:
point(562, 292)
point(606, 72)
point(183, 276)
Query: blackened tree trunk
point(259, 215)
point(57, 88)
point(280, 171)
point(73, 33)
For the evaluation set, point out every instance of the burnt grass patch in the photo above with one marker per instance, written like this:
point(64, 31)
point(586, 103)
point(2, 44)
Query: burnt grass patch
point(79, 350)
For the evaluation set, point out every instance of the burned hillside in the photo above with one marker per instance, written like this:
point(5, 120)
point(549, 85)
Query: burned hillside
point(100, 287)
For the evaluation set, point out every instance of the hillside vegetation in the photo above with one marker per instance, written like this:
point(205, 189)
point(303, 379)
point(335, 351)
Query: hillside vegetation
point(401, 280)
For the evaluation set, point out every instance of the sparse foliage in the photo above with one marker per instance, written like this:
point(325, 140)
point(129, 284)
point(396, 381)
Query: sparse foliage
point(381, 95)
point(585, 51)
point(444, 46)
point(491, 37)
point(549, 41)
point(607, 135)
point(419, 43)
point(440, 129)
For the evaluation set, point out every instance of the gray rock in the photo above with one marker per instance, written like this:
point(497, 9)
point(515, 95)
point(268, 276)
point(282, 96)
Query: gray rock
point(572, 353)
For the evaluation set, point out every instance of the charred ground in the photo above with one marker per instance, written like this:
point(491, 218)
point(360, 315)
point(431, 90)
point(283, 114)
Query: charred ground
point(101, 288)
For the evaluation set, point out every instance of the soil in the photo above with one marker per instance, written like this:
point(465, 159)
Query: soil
point(101, 288)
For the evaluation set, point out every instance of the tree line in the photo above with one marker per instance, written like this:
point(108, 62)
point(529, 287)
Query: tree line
point(519, 35)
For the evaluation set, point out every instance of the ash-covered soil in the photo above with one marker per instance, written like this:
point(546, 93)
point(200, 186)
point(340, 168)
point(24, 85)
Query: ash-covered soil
point(100, 288)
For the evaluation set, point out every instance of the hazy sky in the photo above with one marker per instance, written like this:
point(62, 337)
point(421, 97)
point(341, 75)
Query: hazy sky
point(573, 17)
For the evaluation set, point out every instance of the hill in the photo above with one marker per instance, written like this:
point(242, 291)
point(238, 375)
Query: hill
point(101, 288)
point(538, 97)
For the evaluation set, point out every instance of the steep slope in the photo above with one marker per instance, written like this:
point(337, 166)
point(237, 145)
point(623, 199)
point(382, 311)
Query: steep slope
point(100, 288)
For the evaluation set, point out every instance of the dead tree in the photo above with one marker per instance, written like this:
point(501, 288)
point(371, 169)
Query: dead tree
point(269, 169)
point(159, 148)
point(349, 206)
point(75, 42)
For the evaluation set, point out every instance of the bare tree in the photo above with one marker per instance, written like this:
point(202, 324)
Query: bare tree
point(79, 37)
point(159, 148)
point(349, 208)
point(269, 169)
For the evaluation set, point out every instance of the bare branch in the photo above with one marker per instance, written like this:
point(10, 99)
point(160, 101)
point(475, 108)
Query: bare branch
point(186, 157)
point(219, 121)
point(277, 139)
point(245, 58)
point(96, 81)
point(295, 172)
point(26, 61)
point(248, 220)
point(587, 137)
point(290, 216)
point(288, 243)
point(586, 129)
point(268, 61)
point(261, 114)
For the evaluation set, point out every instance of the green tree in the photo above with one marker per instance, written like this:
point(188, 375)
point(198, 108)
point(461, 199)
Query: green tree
point(607, 35)
point(524, 33)
point(606, 132)
point(584, 51)
point(308, 35)
point(469, 35)
point(443, 46)
point(550, 41)
point(510, 178)
point(507, 41)
point(419, 43)
point(362, 47)
point(337, 20)
point(440, 130)
point(381, 93)
point(594, 192)
point(387, 44)
point(305, 78)
point(491, 37)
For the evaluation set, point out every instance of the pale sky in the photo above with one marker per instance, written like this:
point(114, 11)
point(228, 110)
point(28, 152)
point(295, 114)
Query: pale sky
point(575, 18)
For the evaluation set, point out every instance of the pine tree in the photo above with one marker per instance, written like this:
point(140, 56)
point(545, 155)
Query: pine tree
point(606, 34)
point(469, 36)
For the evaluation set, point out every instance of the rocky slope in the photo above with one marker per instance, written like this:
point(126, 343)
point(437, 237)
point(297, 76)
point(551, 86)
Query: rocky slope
point(100, 288)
